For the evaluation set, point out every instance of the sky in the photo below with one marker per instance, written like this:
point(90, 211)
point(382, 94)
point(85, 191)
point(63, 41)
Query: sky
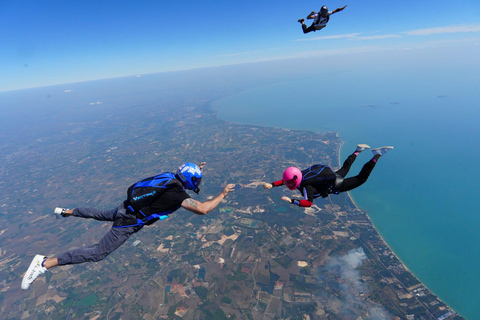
point(55, 42)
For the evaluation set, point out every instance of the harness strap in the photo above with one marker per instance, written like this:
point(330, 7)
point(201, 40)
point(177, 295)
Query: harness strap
point(141, 219)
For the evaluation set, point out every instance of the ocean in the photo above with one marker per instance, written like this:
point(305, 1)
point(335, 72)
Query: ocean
point(421, 196)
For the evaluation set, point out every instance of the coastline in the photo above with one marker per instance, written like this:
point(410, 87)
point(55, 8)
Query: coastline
point(354, 205)
point(379, 247)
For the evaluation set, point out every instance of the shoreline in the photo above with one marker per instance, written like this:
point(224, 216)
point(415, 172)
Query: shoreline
point(351, 202)
point(355, 206)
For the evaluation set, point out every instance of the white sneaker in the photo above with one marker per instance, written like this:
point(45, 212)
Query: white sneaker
point(381, 151)
point(59, 212)
point(362, 147)
point(33, 271)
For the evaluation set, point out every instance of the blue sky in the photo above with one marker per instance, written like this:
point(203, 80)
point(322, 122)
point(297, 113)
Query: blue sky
point(54, 42)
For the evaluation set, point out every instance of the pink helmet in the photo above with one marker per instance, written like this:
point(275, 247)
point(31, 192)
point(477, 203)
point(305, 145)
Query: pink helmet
point(292, 177)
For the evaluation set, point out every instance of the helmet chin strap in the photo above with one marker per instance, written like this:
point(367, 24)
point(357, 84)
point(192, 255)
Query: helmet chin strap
point(197, 190)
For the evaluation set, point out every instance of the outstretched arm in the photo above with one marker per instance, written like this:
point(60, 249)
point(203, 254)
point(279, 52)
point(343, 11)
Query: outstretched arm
point(203, 208)
point(273, 184)
point(311, 15)
point(300, 203)
point(339, 9)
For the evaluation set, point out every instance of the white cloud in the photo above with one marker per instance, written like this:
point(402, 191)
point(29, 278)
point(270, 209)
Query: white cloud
point(353, 36)
point(330, 52)
point(338, 36)
point(344, 271)
point(446, 29)
point(418, 32)
point(383, 36)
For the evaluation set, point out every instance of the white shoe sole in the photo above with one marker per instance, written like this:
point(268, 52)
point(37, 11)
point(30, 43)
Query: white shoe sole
point(363, 145)
point(381, 151)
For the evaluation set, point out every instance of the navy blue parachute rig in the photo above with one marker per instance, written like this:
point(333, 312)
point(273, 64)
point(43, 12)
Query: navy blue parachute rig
point(145, 192)
point(320, 175)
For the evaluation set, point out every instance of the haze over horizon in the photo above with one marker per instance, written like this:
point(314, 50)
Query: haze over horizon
point(57, 43)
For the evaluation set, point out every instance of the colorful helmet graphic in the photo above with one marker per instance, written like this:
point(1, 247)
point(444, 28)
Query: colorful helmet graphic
point(190, 175)
point(292, 177)
point(324, 11)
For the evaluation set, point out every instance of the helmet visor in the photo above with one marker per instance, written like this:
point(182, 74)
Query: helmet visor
point(291, 183)
point(196, 182)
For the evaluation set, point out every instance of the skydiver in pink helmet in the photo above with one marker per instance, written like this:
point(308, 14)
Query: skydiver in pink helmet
point(320, 180)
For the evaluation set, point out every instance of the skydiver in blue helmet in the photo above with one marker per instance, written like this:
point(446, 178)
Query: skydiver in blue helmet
point(320, 19)
point(148, 200)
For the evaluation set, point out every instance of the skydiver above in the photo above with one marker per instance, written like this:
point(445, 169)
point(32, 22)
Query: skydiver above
point(146, 203)
point(319, 180)
point(320, 19)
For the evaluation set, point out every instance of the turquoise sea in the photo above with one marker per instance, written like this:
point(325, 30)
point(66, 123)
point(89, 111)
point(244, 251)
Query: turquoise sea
point(422, 196)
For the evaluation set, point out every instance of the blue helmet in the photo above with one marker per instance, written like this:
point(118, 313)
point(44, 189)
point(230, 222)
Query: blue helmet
point(190, 175)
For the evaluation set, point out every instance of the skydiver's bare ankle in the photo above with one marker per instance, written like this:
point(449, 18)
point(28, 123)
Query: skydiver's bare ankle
point(50, 263)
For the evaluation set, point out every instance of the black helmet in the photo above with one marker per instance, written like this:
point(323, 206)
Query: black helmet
point(324, 11)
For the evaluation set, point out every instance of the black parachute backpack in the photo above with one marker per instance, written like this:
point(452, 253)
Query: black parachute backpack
point(320, 175)
point(145, 191)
